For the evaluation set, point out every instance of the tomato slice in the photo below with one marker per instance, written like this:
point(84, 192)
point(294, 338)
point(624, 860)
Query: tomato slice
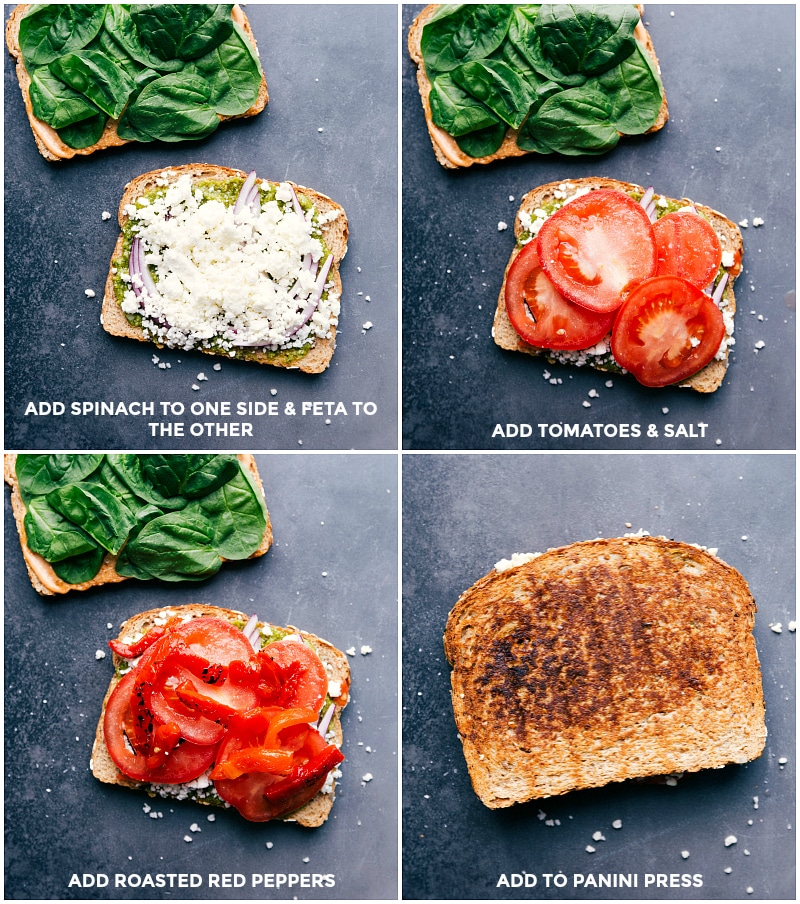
point(666, 331)
point(214, 639)
point(596, 247)
point(184, 763)
point(305, 682)
point(541, 315)
point(687, 247)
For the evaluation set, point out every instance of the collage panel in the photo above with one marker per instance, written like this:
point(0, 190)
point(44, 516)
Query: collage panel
point(269, 292)
point(630, 648)
point(309, 583)
point(531, 356)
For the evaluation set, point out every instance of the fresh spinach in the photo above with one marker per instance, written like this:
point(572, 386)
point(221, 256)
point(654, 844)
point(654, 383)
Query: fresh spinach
point(175, 547)
point(587, 39)
point(51, 535)
point(575, 121)
point(454, 109)
point(457, 34)
point(80, 568)
point(85, 133)
point(570, 79)
point(97, 77)
point(38, 475)
point(182, 31)
point(96, 509)
point(49, 30)
point(79, 506)
point(173, 107)
point(56, 103)
point(120, 25)
point(234, 74)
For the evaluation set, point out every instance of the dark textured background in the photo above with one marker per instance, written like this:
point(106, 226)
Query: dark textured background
point(461, 514)
point(57, 246)
point(333, 514)
point(729, 74)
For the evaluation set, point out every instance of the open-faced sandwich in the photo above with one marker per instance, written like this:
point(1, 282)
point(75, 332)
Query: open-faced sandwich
point(85, 520)
point(214, 259)
point(613, 276)
point(210, 705)
point(603, 661)
point(503, 80)
point(97, 75)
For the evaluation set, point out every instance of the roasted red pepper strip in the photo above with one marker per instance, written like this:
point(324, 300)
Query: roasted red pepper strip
point(213, 709)
point(254, 759)
point(165, 740)
point(286, 719)
point(306, 774)
point(134, 650)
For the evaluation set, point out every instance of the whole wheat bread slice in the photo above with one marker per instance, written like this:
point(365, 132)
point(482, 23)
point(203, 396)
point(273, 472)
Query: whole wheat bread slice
point(44, 579)
point(603, 661)
point(445, 146)
point(334, 233)
point(50, 145)
point(312, 814)
point(706, 380)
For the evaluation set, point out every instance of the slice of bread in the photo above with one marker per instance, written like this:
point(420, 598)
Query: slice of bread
point(603, 661)
point(445, 146)
point(334, 233)
point(706, 380)
point(44, 579)
point(312, 814)
point(50, 145)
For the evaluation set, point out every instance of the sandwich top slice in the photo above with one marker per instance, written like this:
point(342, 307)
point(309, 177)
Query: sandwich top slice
point(95, 76)
point(210, 705)
point(227, 263)
point(620, 278)
point(603, 661)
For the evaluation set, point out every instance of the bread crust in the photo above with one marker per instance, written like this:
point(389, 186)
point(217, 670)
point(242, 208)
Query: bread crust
point(312, 814)
point(706, 380)
point(603, 661)
point(335, 233)
point(445, 146)
point(50, 146)
point(44, 579)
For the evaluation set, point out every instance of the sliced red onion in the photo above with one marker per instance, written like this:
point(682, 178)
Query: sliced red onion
point(325, 720)
point(717, 296)
point(244, 192)
point(319, 287)
point(298, 209)
point(647, 201)
point(251, 633)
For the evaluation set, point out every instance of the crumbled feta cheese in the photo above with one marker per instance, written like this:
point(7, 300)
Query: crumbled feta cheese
point(367, 777)
point(757, 221)
point(685, 855)
point(776, 628)
point(351, 651)
point(728, 259)
point(590, 849)
point(89, 293)
point(194, 827)
point(743, 223)
point(366, 326)
point(598, 836)
point(502, 226)
point(99, 654)
point(759, 345)
point(792, 626)
point(365, 650)
point(517, 558)
point(187, 838)
point(106, 215)
point(616, 824)
point(730, 839)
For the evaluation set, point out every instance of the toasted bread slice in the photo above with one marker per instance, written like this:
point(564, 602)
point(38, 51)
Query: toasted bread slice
point(445, 146)
point(312, 814)
point(334, 232)
point(50, 145)
point(44, 579)
point(603, 661)
point(706, 380)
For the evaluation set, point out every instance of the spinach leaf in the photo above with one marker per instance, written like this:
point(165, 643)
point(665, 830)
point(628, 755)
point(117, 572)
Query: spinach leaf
point(234, 73)
point(128, 468)
point(96, 76)
point(526, 40)
point(96, 510)
point(80, 568)
point(120, 24)
point(236, 517)
point(85, 133)
point(456, 111)
point(191, 476)
point(482, 142)
point(172, 108)
point(108, 478)
point(38, 475)
point(49, 30)
point(50, 535)
point(55, 103)
point(634, 89)
point(174, 547)
point(497, 85)
point(527, 139)
point(576, 121)
point(182, 31)
point(460, 33)
point(124, 566)
point(587, 39)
